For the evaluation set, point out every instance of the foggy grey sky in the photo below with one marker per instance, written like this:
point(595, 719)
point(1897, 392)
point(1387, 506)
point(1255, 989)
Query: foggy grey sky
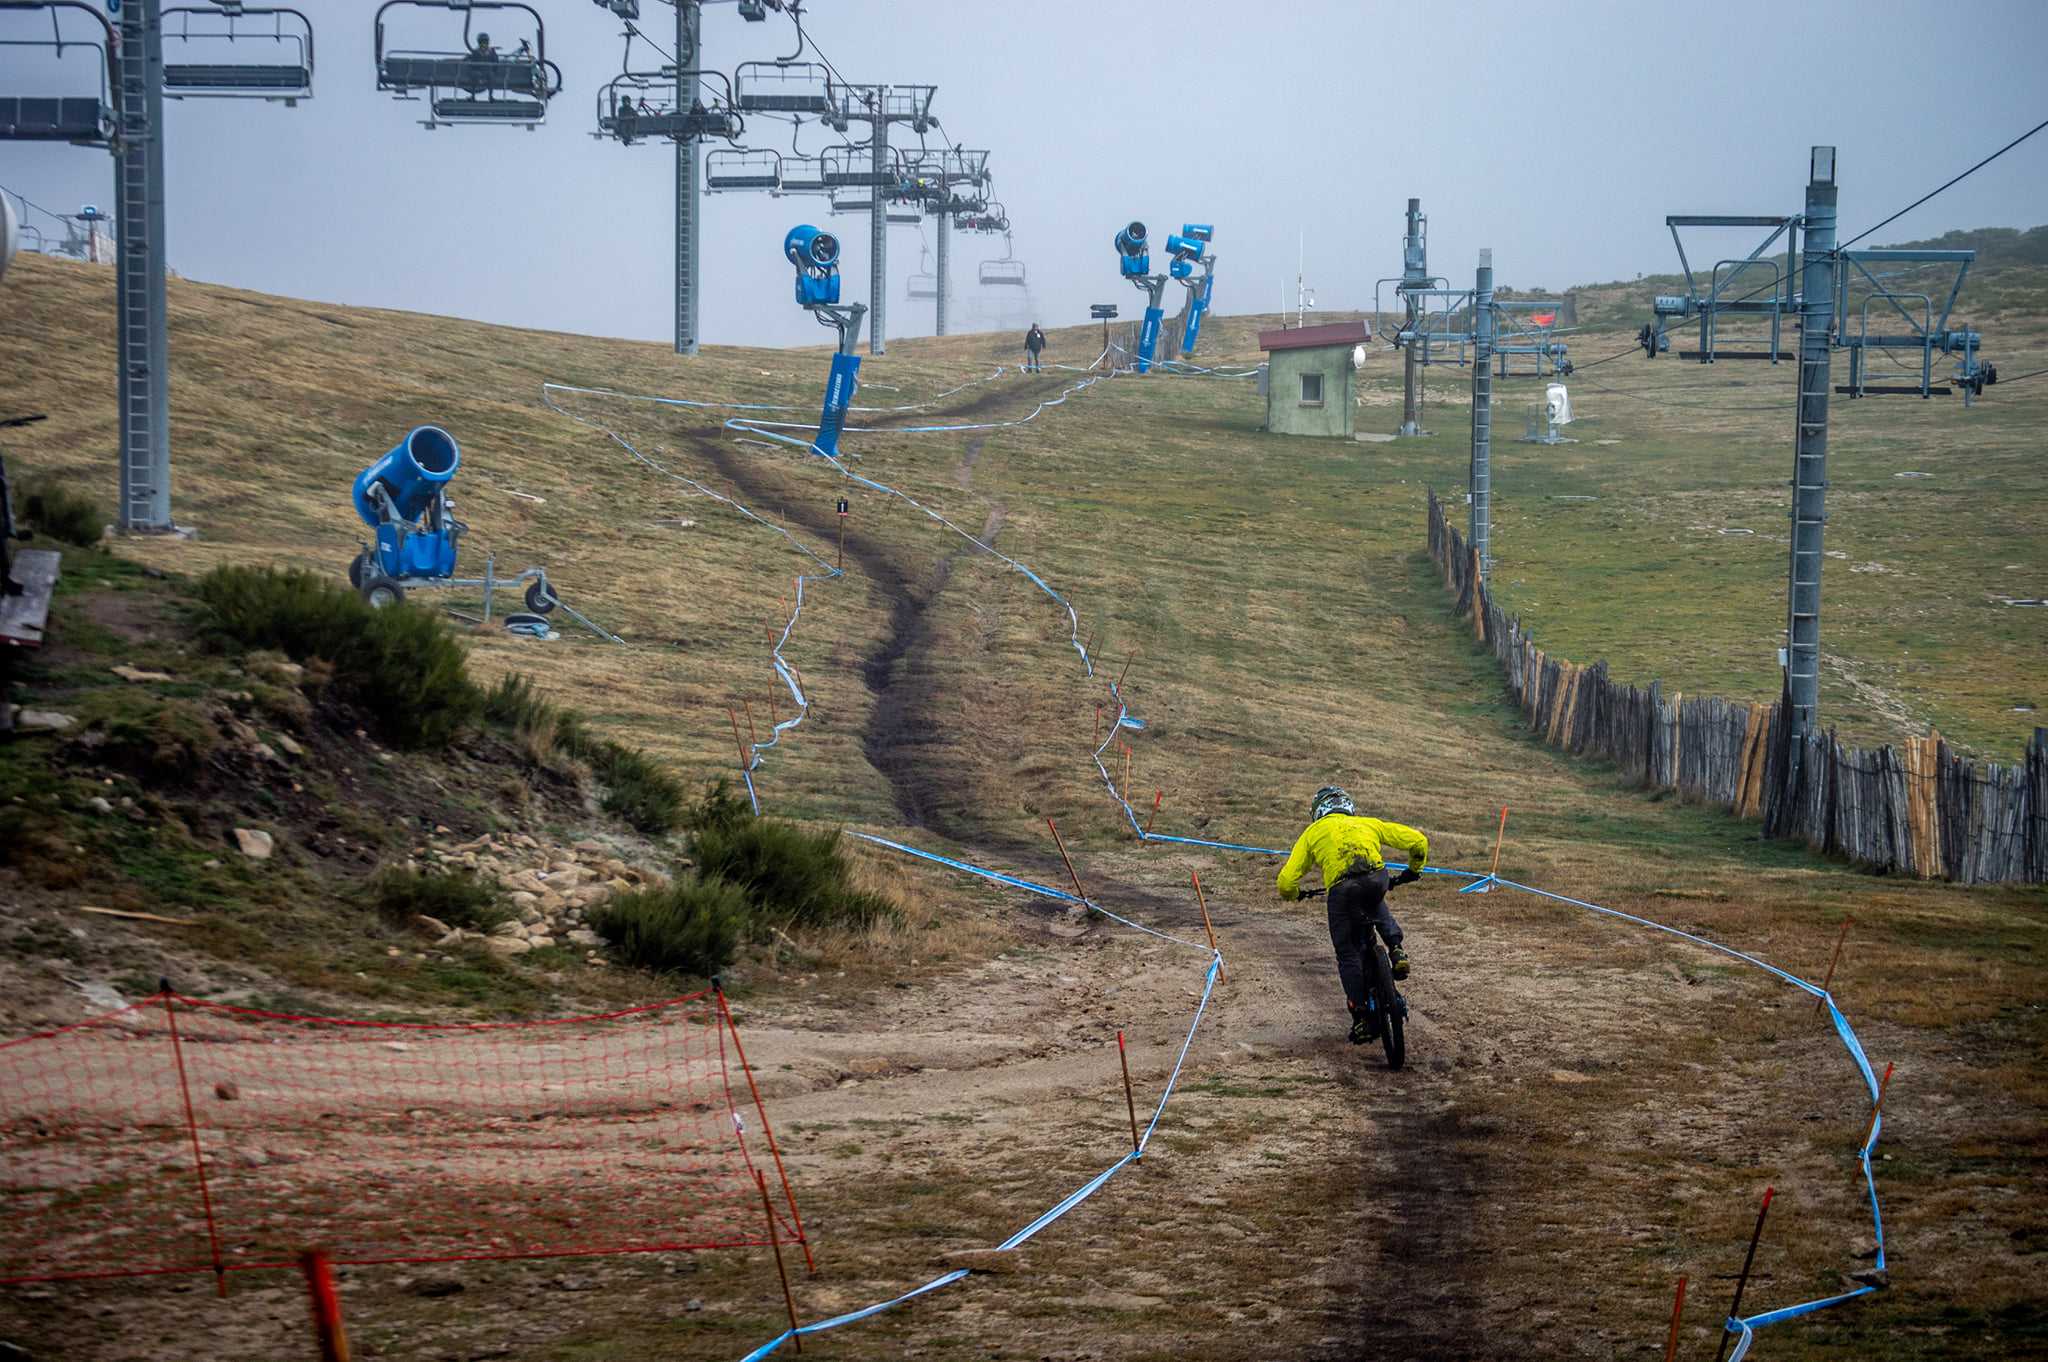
point(1557, 134)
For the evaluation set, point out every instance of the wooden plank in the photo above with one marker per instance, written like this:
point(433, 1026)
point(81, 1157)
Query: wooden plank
point(23, 617)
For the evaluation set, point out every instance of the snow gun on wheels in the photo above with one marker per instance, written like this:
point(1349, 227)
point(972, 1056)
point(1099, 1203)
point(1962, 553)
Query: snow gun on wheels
point(1134, 262)
point(815, 255)
point(403, 498)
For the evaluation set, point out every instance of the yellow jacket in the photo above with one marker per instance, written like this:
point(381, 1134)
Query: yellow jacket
point(1335, 840)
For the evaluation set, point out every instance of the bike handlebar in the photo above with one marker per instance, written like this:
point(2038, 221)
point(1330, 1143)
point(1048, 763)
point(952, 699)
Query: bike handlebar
point(1409, 876)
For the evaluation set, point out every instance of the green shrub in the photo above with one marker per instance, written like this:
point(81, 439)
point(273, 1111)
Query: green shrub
point(790, 874)
point(455, 897)
point(691, 927)
point(62, 512)
point(400, 665)
point(637, 788)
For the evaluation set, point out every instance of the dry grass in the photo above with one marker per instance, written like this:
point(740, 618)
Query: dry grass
point(1287, 631)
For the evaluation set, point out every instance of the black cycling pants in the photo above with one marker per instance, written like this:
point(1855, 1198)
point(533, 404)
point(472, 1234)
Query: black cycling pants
point(1358, 903)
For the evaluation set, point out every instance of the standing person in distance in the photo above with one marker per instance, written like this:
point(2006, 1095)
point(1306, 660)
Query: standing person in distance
point(1349, 849)
point(1034, 341)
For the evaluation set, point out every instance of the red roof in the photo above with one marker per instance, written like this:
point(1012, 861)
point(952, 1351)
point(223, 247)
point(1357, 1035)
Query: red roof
point(1316, 337)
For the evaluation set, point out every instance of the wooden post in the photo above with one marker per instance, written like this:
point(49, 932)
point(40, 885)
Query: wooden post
point(1157, 796)
point(1061, 844)
point(1829, 979)
point(752, 737)
point(1126, 671)
point(329, 1335)
point(1877, 1106)
point(1499, 834)
point(774, 719)
point(1097, 747)
point(1130, 1102)
point(1735, 1310)
point(1204, 902)
point(1671, 1339)
point(739, 745)
point(775, 1241)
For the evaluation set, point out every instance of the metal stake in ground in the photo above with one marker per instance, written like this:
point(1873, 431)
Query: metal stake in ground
point(1735, 1310)
point(328, 1333)
point(1203, 902)
point(1671, 1339)
point(1081, 893)
point(1840, 937)
point(1130, 1102)
point(775, 1242)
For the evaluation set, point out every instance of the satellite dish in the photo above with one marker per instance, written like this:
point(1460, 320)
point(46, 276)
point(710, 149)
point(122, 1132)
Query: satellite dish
point(10, 234)
point(1358, 357)
point(1557, 405)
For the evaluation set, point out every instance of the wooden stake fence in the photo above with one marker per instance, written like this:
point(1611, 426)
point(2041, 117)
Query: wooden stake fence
point(1918, 809)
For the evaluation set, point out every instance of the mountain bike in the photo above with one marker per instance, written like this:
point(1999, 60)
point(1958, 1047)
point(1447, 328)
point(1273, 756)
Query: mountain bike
point(1384, 1003)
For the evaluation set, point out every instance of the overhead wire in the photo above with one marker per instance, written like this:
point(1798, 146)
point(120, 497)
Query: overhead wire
point(1948, 185)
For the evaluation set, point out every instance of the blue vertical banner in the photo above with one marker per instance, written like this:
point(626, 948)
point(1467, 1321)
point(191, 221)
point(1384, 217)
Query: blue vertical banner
point(1148, 337)
point(839, 390)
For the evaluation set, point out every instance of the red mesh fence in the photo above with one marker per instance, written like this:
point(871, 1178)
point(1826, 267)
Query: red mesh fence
point(178, 1135)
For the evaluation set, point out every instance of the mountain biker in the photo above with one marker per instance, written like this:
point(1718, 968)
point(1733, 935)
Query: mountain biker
point(1347, 848)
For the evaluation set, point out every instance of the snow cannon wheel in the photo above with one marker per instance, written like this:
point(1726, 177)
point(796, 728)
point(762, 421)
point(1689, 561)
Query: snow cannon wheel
point(382, 592)
point(355, 571)
point(539, 599)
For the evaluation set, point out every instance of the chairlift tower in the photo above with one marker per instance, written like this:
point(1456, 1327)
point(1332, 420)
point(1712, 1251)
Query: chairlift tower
point(1814, 288)
point(950, 184)
point(143, 328)
point(689, 198)
point(878, 106)
point(1479, 532)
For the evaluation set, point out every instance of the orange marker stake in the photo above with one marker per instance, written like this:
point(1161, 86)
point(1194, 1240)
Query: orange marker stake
point(1840, 937)
point(775, 1241)
point(1878, 1105)
point(1201, 899)
point(1098, 725)
point(329, 1334)
point(1671, 1339)
point(1157, 795)
point(1130, 1102)
point(774, 720)
point(1498, 835)
point(738, 745)
point(752, 737)
point(1061, 844)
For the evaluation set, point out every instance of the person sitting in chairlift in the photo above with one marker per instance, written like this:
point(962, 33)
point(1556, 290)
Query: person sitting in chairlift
point(627, 120)
point(483, 51)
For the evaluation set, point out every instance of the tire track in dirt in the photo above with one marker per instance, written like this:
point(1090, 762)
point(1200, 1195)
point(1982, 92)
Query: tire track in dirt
point(1409, 1185)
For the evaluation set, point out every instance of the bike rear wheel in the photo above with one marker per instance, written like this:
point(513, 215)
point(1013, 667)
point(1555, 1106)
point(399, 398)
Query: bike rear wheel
point(1393, 1010)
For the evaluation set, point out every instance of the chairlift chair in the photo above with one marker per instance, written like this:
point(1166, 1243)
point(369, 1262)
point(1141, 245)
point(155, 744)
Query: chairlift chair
point(851, 167)
point(1008, 271)
point(469, 86)
point(923, 284)
point(742, 168)
point(783, 87)
point(289, 32)
point(803, 175)
point(653, 115)
point(83, 120)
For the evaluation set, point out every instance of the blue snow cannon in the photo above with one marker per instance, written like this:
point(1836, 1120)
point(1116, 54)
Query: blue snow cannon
point(816, 257)
point(1134, 253)
point(403, 497)
point(1187, 253)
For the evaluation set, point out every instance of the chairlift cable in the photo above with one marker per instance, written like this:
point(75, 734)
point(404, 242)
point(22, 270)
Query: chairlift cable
point(1957, 180)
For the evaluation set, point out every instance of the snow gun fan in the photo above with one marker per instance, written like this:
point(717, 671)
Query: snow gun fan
point(815, 256)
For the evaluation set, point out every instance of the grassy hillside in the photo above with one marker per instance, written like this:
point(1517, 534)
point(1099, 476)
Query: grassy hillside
point(1592, 1110)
